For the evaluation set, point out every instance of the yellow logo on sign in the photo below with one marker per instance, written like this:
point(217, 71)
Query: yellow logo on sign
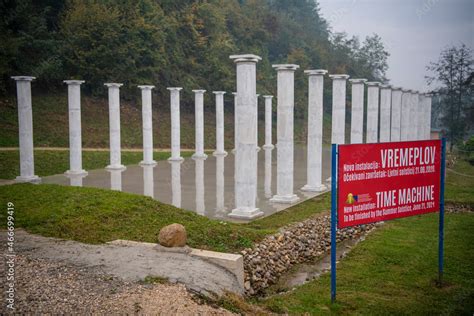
point(350, 199)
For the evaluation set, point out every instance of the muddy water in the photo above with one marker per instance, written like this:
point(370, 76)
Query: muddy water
point(306, 272)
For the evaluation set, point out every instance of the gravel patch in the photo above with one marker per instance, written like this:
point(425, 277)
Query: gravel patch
point(47, 287)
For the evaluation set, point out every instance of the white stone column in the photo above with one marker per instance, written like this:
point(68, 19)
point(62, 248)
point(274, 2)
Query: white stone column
point(25, 130)
point(147, 121)
point(199, 182)
point(385, 109)
point(75, 140)
point(245, 155)
point(175, 125)
point(285, 130)
point(372, 112)
point(338, 108)
point(413, 113)
point(220, 205)
point(219, 124)
point(235, 121)
point(268, 122)
point(315, 131)
point(199, 119)
point(357, 113)
point(114, 126)
point(148, 180)
point(396, 114)
point(256, 121)
point(405, 115)
point(419, 115)
point(176, 182)
point(428, 100)
point(268, 172)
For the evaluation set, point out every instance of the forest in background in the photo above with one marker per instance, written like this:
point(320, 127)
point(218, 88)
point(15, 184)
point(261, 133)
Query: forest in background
point(173, 43)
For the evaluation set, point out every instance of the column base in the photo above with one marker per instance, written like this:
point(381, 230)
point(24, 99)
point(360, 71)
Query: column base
point(199, 156)
point(148, 163)
point(245, 213)
point(270, 146)
point(314, 188)
point(285, 199)
point(31, 179)
point(82, 173)
point(175, 159)
point(116, 167)
point(219, 153)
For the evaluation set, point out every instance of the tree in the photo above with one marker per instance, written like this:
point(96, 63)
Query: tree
point(453, 71)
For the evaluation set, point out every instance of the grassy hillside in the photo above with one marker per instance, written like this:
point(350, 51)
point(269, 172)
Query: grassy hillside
point(50, 123)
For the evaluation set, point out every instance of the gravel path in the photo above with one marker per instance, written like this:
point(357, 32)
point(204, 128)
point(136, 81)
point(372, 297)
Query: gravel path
point(43, 286)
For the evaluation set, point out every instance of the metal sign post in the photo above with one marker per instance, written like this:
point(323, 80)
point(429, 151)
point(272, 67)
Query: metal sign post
point(441, 212)
point(333, 220)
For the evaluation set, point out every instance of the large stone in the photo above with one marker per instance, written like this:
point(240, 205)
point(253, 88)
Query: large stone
point(173, 235)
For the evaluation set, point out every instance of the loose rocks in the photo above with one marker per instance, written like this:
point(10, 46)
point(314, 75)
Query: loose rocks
point(297, 243)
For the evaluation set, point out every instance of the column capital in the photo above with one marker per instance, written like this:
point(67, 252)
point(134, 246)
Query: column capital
point(316, 72)
point(385, 86)
point(257, 95)
point(174, 88)
point(219, 92)
point(267, 96)
point(245, 58)
point(23, 78)
point(281, 67)
point(406, 90)
point(73, 82)
point(340, 76)
point(113, 85)
point(428, 94)
point(234, 93)
point(397, 89)
point(373, 84)
point(197, 91)
point(146, 87)
point(356, 81)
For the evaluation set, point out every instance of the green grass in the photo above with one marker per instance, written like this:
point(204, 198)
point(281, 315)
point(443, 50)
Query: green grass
point(95, 215)
point(460, 183)
point(394, 272)
point(49, 162)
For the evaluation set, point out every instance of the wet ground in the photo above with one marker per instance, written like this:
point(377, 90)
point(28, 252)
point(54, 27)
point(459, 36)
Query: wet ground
point(203, 186)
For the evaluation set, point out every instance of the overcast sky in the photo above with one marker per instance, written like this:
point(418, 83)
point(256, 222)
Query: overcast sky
point(413, 31)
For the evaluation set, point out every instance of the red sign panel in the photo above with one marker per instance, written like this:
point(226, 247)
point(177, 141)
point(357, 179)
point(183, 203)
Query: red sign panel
point(378, 182)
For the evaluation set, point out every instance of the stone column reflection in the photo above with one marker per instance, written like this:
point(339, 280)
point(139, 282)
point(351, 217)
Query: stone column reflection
point(176, 183)
point(148, 180)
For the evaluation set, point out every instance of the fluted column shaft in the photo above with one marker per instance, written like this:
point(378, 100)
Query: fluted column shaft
point(396, 114)
point(219, 124)
point(372, 112)
point(315, 130)
point(25, 129)
point(175, 125)
point(385, 109)
point(147, 121)
point(357, 113)
point(114, 126)
point(245, 156)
